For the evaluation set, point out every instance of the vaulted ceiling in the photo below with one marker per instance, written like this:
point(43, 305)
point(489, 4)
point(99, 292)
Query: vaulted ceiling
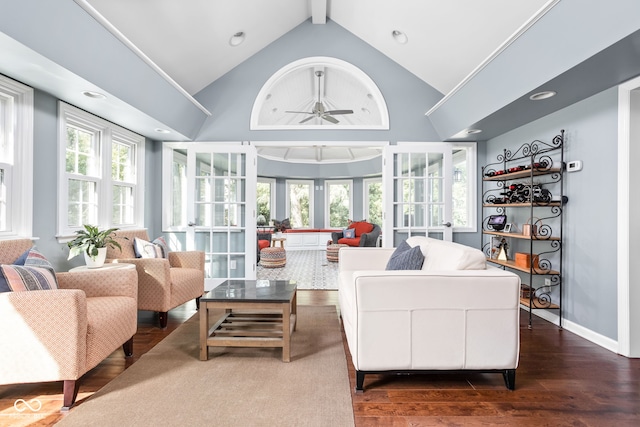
point(190, 40)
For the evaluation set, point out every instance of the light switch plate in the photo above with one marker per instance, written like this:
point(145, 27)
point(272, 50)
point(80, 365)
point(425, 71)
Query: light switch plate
point(574, 166)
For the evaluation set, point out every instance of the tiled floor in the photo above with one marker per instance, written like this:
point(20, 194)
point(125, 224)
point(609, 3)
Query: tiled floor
point(310, 269)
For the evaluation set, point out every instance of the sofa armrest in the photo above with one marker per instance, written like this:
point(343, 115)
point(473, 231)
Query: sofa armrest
point(360, 258)
point(44, 335)
point(101, 283)
point(336, 235)
point(187, 259)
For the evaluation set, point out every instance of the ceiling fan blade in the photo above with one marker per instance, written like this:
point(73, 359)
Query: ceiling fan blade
point(330, 119)
point(300, 112)
point(306, 120)
point(335, 112)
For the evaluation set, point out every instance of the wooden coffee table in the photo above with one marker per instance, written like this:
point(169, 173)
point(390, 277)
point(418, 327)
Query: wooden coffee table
point(267, 316)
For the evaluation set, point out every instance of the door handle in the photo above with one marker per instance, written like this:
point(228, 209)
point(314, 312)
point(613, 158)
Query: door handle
point(191, 224)
point(446, 224)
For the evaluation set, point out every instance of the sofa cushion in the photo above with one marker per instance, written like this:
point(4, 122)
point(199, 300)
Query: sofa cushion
point(406, 258)
point(361, 227)
point(441, 255)
point(349, 233)
point(350, 242)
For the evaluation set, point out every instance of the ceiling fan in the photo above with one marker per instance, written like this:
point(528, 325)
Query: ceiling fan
point(319, 110)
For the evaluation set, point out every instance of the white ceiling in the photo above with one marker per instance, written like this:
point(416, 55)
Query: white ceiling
point(189, 40)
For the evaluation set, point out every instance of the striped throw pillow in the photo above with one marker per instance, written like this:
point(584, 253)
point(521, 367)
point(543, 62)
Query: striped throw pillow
point(37, 273)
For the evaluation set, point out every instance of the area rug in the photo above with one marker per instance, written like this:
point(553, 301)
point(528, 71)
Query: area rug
point(171, 386)
point(310, 270)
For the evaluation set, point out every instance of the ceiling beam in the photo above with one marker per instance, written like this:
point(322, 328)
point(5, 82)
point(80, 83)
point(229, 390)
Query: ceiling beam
point(319, 11)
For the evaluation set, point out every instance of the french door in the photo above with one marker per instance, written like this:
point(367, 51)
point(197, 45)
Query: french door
point(417, 180)
point(213, 194)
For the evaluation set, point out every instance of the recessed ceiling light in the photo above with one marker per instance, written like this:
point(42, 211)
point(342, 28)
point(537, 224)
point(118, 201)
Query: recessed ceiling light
point(160, 130)
point(399, 36)
point(237, 38)
point(94, 95)
point(473, 131)
point(542, 95)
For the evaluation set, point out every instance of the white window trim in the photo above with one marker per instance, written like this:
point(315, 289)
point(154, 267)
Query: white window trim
point(311, 185)
point(365, 195)
point(272, 202)
point(20, 192)
point(472, 182)
point(327, 202)
point(108, 131)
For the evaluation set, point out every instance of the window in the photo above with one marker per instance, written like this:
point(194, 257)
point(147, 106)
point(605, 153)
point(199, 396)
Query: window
point(16, 158)
point(102, 172)
point(464, 185)
point(338, 203)
point(300, 203)
point(266, 197)
point(373, 200)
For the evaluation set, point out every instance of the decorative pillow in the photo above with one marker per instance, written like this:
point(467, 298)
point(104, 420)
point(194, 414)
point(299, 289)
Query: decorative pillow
point(163, 244)
point(406, 258)
point(144, 249)
point(35, 273)
point(361, 227)
point(349, 233)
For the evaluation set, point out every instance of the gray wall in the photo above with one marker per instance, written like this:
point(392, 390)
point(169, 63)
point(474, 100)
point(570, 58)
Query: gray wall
point(230, 98)
point(45, 189)
point(589, 248)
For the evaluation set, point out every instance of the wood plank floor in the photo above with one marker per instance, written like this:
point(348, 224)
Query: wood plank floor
point(562, 380)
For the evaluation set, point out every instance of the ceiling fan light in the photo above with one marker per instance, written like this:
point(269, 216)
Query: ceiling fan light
point(237, 38)
point(399, 36)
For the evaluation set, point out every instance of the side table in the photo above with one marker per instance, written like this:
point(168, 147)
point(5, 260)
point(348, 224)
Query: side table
point(108, 266)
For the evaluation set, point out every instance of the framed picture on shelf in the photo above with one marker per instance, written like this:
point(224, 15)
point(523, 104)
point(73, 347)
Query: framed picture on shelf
point(507, 228)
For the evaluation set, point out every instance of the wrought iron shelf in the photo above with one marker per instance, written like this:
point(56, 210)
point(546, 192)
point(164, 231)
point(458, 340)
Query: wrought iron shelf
point(533, 270)
point(526, 173)
point(522, 236)
point(522, 205)
point(536, 303)
point(522, 180)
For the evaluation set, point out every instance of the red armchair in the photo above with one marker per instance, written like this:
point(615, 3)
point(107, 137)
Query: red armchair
point(366, 234)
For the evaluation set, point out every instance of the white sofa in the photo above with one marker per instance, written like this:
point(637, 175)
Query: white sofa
point(454, 314)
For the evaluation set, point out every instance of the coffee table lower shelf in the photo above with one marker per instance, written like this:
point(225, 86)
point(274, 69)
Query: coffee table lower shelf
point(250, 329)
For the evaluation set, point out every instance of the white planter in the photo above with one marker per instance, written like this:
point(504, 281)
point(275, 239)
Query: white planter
point(98, 260)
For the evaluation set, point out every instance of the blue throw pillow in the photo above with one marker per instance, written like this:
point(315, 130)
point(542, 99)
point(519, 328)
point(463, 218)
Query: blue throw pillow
point(349, 233)
point(406, 258)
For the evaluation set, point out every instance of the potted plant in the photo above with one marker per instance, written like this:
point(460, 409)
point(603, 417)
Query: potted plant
point(93, 243)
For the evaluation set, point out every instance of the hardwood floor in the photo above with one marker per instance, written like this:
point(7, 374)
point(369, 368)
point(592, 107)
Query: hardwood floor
point(562, 380)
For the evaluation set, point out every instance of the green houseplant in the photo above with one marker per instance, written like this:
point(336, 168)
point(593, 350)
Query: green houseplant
point(93, 242)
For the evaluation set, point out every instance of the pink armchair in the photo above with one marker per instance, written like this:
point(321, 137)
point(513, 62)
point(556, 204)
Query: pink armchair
point(163, 283)
point(60, 334)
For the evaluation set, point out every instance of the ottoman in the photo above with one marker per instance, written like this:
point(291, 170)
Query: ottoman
point(332, 251)
point(273, 257)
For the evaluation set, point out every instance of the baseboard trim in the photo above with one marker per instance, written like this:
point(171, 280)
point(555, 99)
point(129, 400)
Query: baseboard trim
point(594, 337)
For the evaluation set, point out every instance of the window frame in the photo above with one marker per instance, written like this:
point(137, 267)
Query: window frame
point(365, 197)
point(311, 185)
point(16, 157)
point(272, 198)
point(472, 185)
point(106, 133)
point(327, 201)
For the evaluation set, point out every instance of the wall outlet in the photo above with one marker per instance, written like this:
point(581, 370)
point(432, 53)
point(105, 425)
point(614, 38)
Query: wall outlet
point(232, 264)
point(547, 282)
point(547, 286)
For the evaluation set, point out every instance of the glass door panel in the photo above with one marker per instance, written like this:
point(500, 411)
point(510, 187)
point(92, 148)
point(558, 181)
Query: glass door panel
point(421, 203)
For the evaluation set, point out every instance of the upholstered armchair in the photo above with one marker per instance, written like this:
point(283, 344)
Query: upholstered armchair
point(60, 334)
point(365, 234)
point(163, 283)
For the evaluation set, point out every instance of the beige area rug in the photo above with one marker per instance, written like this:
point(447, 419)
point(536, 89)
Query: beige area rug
point(170, 386)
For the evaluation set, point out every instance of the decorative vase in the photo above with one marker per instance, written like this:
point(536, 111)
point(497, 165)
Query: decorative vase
point(98, 260)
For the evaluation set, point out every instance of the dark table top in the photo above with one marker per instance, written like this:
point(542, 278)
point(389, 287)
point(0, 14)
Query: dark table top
point(252, 290)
